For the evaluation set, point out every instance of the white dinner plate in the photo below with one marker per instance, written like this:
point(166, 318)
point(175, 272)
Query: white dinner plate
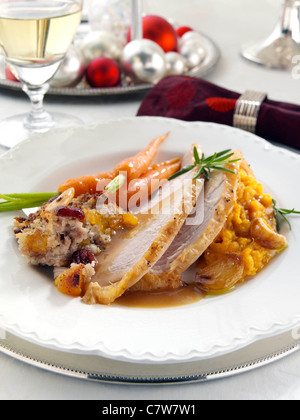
point(33, 310)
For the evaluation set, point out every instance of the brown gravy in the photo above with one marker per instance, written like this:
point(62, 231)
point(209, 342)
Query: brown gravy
point(163, 299)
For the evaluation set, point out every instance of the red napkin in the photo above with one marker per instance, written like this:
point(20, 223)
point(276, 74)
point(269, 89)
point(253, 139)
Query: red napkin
point(193, 99)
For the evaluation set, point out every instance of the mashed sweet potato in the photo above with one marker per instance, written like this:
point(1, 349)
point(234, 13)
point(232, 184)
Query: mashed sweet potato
point(237, 237)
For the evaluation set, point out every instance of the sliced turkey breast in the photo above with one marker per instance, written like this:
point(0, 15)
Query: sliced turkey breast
point(199, 230)
point(130, 256)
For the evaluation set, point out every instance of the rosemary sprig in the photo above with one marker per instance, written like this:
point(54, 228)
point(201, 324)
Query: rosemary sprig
point(206, 165)
point(281, 214)
point(13, 202)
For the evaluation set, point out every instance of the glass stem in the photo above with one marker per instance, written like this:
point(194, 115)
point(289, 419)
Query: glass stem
point(137, 19)
point(290, 19)
point(38, 120)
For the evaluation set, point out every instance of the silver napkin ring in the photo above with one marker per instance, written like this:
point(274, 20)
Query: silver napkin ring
point(247, 110)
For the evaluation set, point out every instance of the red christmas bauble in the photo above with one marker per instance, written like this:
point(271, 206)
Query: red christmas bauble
point(103, 72)
point(183, 30)
point(159, 30)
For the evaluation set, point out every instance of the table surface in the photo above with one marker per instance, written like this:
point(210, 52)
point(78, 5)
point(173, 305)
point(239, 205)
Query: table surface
point(230, 24)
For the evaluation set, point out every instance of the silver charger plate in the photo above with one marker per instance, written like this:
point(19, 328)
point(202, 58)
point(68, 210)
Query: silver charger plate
point(210, 62)
point(98, 369)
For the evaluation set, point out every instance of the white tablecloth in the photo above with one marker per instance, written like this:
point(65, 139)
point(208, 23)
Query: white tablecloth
point(231, 24)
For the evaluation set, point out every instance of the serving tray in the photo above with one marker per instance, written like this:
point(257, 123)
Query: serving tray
point(98, 369)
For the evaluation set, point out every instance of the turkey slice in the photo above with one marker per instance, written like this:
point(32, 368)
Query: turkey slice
point(131, 255)
point(215, 204)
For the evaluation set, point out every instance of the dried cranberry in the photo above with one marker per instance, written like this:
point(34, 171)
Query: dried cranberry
point(83, 256)
point(71, 212)
point(19, 230)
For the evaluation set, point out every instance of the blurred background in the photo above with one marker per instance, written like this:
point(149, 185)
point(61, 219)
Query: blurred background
point(231, 24)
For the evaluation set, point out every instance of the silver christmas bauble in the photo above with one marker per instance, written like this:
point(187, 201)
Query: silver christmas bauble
point(176, 64)
point(193, 52)
point(191, 36)
point(71, 70)
point(144, 61)
point(101, 44)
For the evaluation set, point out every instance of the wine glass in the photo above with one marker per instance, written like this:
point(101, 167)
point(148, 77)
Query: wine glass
point(35, 36)
point(278, 50)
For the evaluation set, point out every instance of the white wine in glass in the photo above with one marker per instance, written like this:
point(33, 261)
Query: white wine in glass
point(35, 36)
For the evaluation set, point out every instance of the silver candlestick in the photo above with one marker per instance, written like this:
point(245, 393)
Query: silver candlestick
point(279, 49)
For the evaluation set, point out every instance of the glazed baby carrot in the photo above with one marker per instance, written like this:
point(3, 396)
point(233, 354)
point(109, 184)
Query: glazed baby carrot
point(85, 184)
point(139, 164)
point(134, 166)
point(150, 181)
